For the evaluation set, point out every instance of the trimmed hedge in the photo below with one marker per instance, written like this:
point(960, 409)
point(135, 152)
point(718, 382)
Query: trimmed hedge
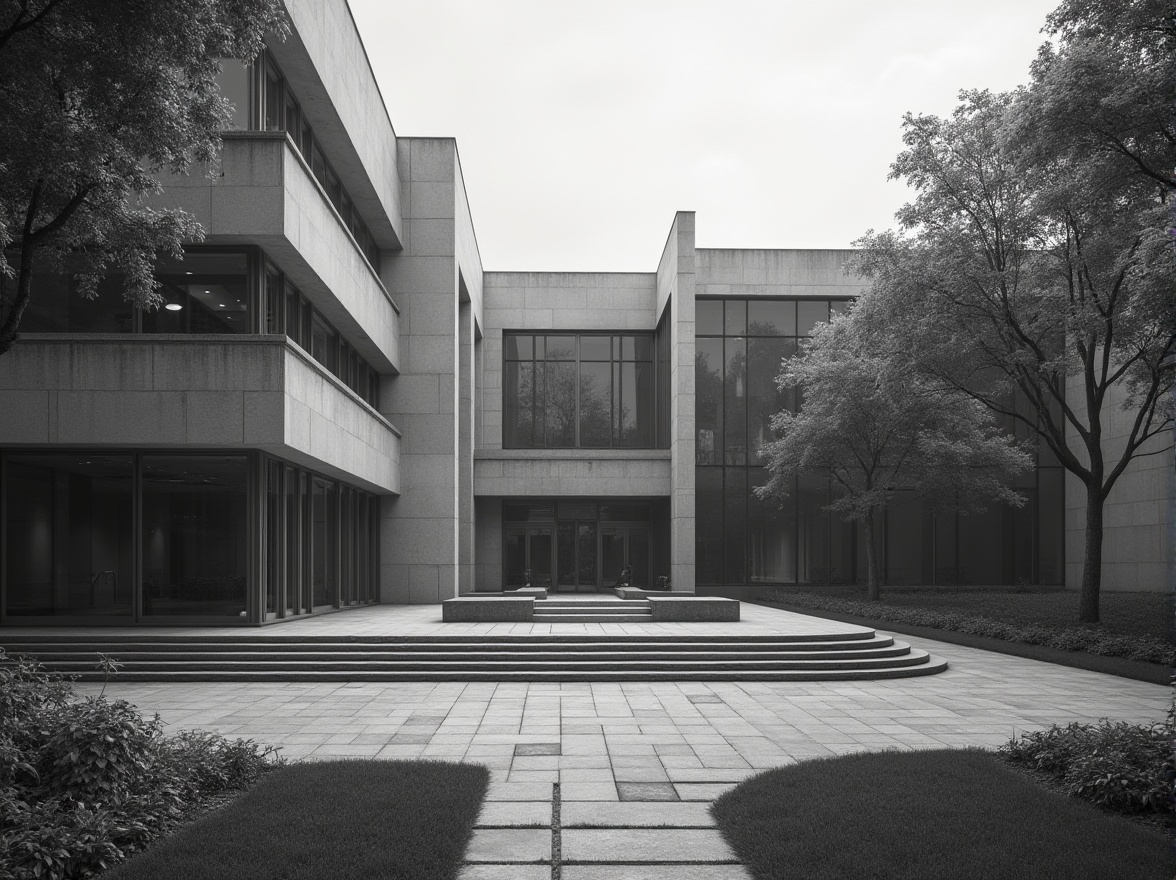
point(1140, 648)
point(1127, 768)
point(85, 783)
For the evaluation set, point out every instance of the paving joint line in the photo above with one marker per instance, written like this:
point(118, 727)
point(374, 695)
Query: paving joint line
point(556, 835)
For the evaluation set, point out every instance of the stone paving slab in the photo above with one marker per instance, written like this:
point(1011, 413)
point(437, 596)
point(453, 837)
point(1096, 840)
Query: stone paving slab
point(531, 814)
point(644, 845)
point(506, 872)
point(500, 845)
point(646, 872)
point(636, 815)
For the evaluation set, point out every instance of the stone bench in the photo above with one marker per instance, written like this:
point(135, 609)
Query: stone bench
point(494, 608)
point(533, 592)
point(692, 608)
point(638, 593)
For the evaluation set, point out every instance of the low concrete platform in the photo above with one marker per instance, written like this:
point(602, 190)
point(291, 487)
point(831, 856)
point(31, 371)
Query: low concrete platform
point(488, 609)
point(693, 608)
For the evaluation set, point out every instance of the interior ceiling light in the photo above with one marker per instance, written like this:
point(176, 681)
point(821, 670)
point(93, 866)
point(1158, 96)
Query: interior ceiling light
point(173, 307)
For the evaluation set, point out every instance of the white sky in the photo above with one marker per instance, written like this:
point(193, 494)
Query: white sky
point(583, 125)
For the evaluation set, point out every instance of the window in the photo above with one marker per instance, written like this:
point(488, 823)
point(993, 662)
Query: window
point(579, 391)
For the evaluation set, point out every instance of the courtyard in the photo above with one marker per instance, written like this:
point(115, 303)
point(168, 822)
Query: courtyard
point(628, 768)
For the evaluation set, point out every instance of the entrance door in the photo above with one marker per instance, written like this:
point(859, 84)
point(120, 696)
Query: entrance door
point(531, 549)
point(578, 555)
point(621, 546)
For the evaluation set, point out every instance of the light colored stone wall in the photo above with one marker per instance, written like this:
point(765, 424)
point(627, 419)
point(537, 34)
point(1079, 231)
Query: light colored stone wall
point(799, 273)
point(267, 196)
point(420, 530)
point(554, 473)
point(198, 392)
point(677, 274)
point(1137, 516)
point(326, 64)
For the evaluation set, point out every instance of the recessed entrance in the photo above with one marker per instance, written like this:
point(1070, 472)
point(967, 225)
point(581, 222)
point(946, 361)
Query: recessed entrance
point(579, 546)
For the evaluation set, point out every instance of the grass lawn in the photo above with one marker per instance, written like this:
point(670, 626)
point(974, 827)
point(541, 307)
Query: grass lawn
point(358, 820)
point(1129, 614)
point(935, 815)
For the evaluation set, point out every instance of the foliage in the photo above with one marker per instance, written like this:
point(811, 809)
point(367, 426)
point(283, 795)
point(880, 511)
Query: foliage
point(878, 428)
point(1141, 648)
point(1124, 767)
point(1034, 270)
point(97, 97)
point(85, 782)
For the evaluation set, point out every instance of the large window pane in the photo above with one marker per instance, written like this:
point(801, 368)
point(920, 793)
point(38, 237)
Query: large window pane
point(1051, 530)
point(708, 317)
point(908, 541)
point(596, 403)
point(735, 402)
point(195, 535)
point(560, 403)
point(735, 525)
point(813, 530)
point(708, 400)
point(635, 412)
point(205, 292)
point(233, 82)
point(56, 306)
point(771, 536)
point(518, 398)
point(771, 318)
point(764, 399)
point(68, 535)
point(809, 314)
point(708, 525)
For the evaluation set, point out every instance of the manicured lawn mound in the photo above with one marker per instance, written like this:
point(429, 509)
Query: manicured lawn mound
point(1032, 618)
point(353, 819)
point(935, 815)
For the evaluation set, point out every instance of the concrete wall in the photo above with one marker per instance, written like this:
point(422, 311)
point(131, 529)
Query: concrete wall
point(266, 195)
point(676, 287)
point(326, 65)
point(199, 392)
point(799, 273)
point(1138, 516)
point(571, 473)
point(420, 530)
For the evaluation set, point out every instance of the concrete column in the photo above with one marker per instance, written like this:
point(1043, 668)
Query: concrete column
point(464, 405)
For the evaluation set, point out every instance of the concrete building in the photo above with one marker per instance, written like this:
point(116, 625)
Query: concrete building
point(339, 406)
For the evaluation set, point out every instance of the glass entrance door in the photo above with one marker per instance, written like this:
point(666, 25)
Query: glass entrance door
point(622, 546)
point(529, 550)
point(578, 554)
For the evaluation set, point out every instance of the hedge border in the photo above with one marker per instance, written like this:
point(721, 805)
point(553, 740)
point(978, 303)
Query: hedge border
point(1153, 673)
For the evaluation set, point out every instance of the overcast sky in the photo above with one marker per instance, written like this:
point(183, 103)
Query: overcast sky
point(583, 125)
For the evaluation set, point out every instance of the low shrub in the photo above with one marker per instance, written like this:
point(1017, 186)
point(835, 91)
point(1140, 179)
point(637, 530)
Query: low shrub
point(1141, 648)
point(1128, 768)
point(86, 782)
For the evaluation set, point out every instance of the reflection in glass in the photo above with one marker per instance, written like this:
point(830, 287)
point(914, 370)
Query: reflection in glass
point(809, 314)
point(735, 524)
point(206, 292)
point(195, 535)
point(813, 527)
point(735, 401)
point(771, 537)
point(708, 400)
point(596, 403)
point(559, 403)
point(68, 535)
point(771, 317)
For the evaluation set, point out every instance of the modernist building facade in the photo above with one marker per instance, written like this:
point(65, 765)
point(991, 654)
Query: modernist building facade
point(337, 404)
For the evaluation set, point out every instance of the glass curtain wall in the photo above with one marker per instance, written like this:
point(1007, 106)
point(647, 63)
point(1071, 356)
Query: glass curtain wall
point(168, 537)
point(580, 391)
point(739, 347)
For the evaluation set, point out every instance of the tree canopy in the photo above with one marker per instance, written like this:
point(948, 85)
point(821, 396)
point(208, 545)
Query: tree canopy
point(1034, 271)
point(877, 427)
point(96, 98)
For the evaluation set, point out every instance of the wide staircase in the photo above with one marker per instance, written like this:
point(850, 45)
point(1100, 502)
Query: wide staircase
point(854, 654)
point(601, 610)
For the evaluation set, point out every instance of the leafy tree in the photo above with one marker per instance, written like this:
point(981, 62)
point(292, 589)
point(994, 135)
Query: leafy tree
point(1034, 271)
point(878, 428)
point(96, 97)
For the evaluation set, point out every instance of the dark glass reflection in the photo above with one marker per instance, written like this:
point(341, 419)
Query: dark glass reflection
point(68, 535)
point(206, 292)
point(195, 535)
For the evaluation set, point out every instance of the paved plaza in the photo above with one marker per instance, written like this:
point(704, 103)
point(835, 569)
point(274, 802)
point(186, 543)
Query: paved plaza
point(628, 769)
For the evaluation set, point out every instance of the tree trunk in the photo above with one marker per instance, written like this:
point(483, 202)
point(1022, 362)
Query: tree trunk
point(1092, 558)
point(873, 592)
